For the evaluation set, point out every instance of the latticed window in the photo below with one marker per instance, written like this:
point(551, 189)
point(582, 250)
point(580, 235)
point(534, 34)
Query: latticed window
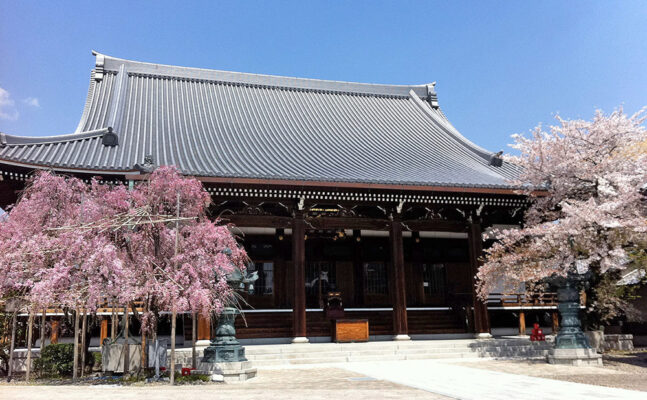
point(375, 278)
point(265, 283)
point(434, 279)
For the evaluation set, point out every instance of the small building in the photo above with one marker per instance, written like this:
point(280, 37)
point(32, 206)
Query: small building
point(366, 190)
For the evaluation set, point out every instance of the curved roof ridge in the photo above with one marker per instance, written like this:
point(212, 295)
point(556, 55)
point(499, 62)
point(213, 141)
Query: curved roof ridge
point(440, 118)
point(112, 64)
point(14, 140)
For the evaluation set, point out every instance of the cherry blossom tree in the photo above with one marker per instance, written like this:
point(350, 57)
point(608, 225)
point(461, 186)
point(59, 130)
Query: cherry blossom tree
point(585, 181)
point(45, 264)
point(180, 258)
point(74, 245)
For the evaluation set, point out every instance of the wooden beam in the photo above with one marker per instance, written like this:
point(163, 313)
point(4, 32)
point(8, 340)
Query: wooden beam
point(258, 221)
point(298, 262)
point(398, 285)
point(436, 225)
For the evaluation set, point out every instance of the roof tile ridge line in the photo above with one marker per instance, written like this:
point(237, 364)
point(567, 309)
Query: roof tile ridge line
point(14, 140)
point(153, 69)
point(272, 86)
point(115, 114)
point(485, 154)
point(88, 103)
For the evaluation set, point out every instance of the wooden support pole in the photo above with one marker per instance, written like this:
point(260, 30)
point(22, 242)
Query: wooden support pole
point(104, 331)
point(555, 322)
point(172, 363)
point(12, 345)
point(30, 332)
point(299, 264)
point(522, 323)
point(397, 278)
point(75, 371)
point(481, 317)
point(113, 323)
point(43, 322)
point(126, 340)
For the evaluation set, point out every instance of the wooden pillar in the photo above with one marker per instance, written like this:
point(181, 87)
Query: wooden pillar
point(555, 322)
point(56, 324)
point(398, 292)
point(204, 328)
point(358, 269)
point(481, 317)
point(299, 265)
point(522, 323)
point(104, 331)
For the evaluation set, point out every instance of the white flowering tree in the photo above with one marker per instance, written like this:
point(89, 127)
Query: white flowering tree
point(586, 181)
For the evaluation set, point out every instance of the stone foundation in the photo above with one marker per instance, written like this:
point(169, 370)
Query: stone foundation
point(575, 357)
point(228, 372)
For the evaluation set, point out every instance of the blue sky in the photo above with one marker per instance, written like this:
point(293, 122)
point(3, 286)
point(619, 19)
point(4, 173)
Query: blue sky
point(501, 67)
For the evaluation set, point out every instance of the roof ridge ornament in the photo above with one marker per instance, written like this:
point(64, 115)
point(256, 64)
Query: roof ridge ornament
point(110, 139)
point(3, 140)
point(496, 160)
point(432, 97)
point(99, 65)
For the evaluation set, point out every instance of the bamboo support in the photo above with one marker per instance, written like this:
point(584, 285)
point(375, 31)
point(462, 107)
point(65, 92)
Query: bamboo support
point(84, 329)
point(194, 333)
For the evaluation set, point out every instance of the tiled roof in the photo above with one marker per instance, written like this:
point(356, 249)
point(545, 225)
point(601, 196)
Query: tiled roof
point(228, 124)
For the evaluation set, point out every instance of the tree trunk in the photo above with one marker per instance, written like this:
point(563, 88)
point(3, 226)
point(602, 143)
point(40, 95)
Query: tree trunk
point(30, 331)
point(84, 330)
point(12, 346)
point(75, 371)
point(194, 328)
point(172, 366)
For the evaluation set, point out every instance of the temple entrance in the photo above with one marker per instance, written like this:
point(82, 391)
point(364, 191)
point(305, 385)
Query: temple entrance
point(320, 279)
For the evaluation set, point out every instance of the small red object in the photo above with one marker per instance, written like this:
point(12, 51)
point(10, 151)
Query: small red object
point(537, 334)
point(187, 371)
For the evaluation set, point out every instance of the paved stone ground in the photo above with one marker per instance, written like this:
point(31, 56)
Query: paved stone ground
point(625, 370)
point(311, 384)
point(423, 379)
point(475, 381)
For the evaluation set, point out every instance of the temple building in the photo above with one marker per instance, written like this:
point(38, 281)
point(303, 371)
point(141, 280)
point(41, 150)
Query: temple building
point(362, 191)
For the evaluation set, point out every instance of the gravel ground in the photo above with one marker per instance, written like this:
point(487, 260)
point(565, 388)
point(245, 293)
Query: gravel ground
point(626, 370)
point(311, 384)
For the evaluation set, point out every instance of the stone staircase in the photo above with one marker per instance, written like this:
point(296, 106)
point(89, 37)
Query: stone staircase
point(317, 353)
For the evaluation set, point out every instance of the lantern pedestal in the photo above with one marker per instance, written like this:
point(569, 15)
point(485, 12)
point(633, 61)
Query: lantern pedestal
point(571, 345)
point(225, 358)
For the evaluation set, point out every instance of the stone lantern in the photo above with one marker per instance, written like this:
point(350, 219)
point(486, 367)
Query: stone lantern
point(225, 356)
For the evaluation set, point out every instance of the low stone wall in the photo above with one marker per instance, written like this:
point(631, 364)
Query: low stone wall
point(618, 342)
